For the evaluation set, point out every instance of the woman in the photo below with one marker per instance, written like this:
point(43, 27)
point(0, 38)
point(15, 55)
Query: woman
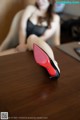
point(37, 25)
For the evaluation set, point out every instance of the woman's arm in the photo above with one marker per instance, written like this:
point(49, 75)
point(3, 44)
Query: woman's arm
point(54, 30)
point(22, 30)
point(23, 24)
point(56, 36)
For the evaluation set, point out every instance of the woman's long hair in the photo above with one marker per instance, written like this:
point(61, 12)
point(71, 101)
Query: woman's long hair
point(49, 14)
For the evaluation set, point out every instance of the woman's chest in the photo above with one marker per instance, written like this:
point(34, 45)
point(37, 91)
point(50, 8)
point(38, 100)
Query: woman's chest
point(35, 19)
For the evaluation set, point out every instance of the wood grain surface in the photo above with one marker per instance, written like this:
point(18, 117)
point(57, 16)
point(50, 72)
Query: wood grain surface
point(26, 90)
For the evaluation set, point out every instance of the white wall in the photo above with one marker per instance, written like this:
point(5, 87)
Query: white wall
point(72, 9)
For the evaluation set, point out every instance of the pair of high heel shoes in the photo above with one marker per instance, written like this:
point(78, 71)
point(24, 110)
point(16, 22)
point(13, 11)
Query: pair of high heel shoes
point(44, 60)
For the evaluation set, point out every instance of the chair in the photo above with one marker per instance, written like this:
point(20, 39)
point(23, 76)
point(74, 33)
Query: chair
point(13, 33)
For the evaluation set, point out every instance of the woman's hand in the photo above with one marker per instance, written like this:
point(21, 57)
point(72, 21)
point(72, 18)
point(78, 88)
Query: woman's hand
point(21, 47)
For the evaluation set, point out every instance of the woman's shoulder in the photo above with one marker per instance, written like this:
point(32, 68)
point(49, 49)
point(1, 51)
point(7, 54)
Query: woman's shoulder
point(30, 8)
point(56, 18)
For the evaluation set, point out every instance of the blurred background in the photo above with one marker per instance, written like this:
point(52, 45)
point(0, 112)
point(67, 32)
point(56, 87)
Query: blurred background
point(70, 18)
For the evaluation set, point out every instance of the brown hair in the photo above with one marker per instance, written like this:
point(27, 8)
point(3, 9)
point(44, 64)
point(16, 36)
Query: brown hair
point(49, 13)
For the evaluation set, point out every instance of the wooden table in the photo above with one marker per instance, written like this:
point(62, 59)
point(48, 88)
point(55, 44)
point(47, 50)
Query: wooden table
point(26, 92)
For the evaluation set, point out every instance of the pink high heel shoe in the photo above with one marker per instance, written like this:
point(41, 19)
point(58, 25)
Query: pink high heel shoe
point(43, 60)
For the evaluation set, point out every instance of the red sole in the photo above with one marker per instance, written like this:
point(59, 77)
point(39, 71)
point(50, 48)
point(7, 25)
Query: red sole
point(42, 59)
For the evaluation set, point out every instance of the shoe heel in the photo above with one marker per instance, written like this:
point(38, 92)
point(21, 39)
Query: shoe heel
point(42, 59)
